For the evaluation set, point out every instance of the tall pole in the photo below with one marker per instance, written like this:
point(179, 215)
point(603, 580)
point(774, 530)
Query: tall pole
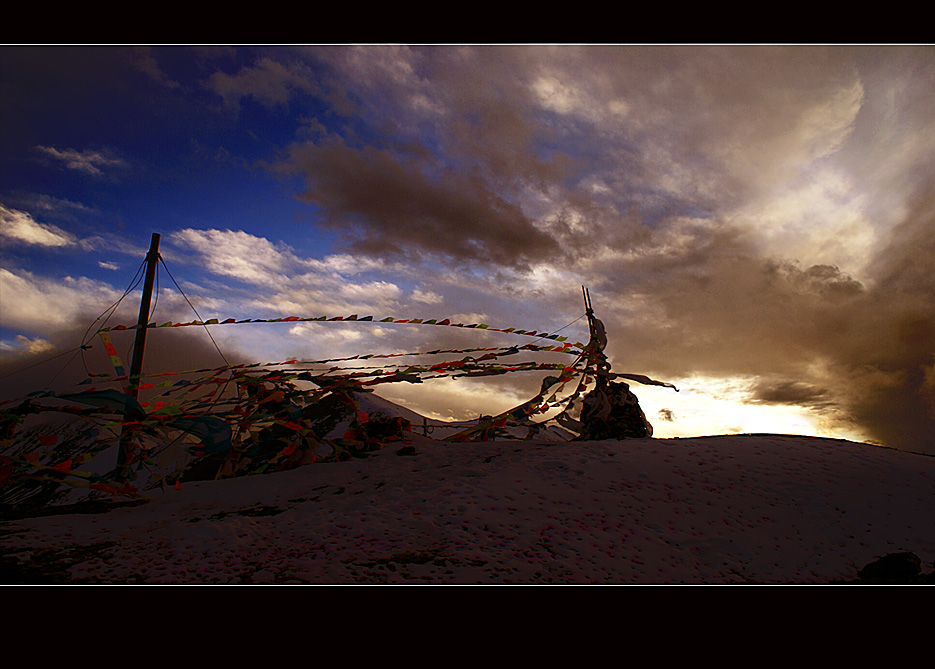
point(136, 365)
point(139, 344)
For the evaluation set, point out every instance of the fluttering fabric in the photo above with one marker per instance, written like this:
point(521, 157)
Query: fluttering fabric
point(243, 419)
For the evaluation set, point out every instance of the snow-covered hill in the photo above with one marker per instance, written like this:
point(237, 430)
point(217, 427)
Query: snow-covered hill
point(730, 509)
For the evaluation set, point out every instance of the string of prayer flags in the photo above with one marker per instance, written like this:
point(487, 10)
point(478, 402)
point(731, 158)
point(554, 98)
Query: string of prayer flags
point(541, 334)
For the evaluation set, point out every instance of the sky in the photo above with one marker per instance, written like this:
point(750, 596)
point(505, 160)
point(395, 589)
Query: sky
point(754, 223)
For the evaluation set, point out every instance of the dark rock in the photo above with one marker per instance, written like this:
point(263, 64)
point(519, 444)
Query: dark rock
point(892, 568)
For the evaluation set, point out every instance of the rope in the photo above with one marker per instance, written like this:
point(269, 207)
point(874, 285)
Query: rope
point(84, 340)
point(112, 309)
point(193, 309)
point(80, 349)
point(42, 362)
point(561, 328)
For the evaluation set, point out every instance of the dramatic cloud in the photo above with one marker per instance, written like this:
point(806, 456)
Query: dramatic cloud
point(39, 304)
point(290, 284)
point(19, 226)
point(239, 255)
point(788, 392)
point(747, 222)
point(395, 206)
point(815, 336)
point(755, 223)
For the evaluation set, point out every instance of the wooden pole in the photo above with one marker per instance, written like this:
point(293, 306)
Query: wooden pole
point(139, 344)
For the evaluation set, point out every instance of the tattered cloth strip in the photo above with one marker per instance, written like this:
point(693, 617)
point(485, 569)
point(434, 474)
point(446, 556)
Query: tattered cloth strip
point(645, 380)
point(540, 334)
point(112, 352)
point(520, 413)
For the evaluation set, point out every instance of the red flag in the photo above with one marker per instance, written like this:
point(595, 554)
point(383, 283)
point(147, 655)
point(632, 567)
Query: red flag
point(63, 466)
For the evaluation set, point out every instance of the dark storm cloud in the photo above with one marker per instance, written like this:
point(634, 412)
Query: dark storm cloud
point(394, 205)
point(714, 306)
point(788, 392)
point(59, 365)
point(506, 145)
point(816, 337)
point(890, 350)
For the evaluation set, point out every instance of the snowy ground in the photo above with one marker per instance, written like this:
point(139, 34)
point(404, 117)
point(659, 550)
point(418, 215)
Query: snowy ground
point(735, 509)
